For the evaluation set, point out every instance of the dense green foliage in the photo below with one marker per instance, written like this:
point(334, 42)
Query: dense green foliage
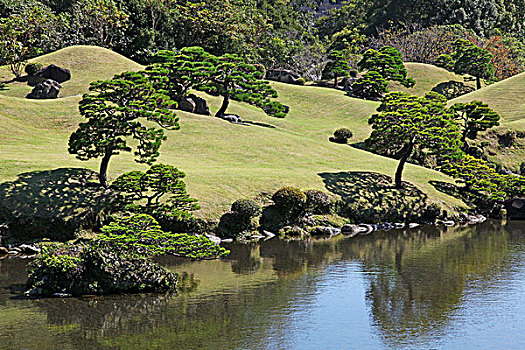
point(159, 191)
point(388, 62)
point(337, 66)
point(405, 123)
point(141, 235)
point(474, 117)
point(473, 60)
point(371, 86)
point(114, 109)
point(79, 270)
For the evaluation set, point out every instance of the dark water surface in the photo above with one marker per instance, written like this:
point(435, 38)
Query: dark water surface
point(463, 288)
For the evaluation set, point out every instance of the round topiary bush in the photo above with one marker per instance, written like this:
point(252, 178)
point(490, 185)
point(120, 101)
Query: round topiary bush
point(318, 202)
point(246, 208)
point(290, 199)
point(32, 68)
point(342, 135)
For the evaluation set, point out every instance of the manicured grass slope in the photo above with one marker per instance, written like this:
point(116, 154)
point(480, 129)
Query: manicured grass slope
point(427, 76)
point(223, 161)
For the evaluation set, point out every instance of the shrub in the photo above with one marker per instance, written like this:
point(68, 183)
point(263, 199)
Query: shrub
point(32, 68)
point(342, 135)
point(508, 138)
point(142, 235)
point(242, 218)
point(95, 270)
point(370, 86)
point(290, 200)
point(318, 202)
point(445, 61)
point(246, 208)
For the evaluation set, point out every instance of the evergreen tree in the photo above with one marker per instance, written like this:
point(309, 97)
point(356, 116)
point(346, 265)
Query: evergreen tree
point(474, 117)
point(405, 122)
point(115, 110)
point(371, 86)
point(234, 79)
point(337, 66)
point(473, 60)
point(388, 62)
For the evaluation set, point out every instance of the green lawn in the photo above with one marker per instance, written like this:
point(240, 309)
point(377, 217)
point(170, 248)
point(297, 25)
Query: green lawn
point(223, 161)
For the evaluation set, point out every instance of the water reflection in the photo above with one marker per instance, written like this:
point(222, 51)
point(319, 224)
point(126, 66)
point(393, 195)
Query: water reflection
point(393, 289)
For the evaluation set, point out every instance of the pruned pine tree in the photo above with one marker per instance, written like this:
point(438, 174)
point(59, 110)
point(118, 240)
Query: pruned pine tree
point(473, 60)
point(405, 122)
point(234, 79)
point(388, 62)
point(160, 192)
point(115, 110)
point(177, 72)
point(337, 66)
point(474, 117)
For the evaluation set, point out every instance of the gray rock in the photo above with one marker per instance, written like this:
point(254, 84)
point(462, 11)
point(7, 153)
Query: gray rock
point(413, 225)
point(350, 230)
point(55, 73)
point(232, 118)
point(269, 235)
point(227, 240)
point(399, 225)
point(201, 106)
point(282, 75)
point(216, 240)
point(48, 89)
point(365, 229)
point(448, 223)
point(28, 249)
point(186, 104)
point(62, 295)
point(4, 251)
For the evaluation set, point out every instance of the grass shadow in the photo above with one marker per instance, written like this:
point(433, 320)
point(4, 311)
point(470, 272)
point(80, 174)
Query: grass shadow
point(264, 125)
point(453, 191)
point(52, 203)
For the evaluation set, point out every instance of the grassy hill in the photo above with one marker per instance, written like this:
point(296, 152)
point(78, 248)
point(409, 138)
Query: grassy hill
point(427, 76)
point(223, 161)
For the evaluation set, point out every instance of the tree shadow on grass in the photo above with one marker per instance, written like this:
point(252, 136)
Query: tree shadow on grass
point(52, 203)
point(372, 197)
point(454, 191)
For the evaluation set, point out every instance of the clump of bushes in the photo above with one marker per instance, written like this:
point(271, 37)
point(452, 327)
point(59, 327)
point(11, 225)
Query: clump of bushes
point(92, 270)
point(290, 200)
point(300, 81)
point(342, 135)
point(33, 68)
point(243, 217)
point(318, 202)
point(371, 86)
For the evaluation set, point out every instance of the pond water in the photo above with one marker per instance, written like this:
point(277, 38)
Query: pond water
point(463, 288)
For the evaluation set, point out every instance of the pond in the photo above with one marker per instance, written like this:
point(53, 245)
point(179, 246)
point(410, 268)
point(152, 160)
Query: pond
point(417, 289)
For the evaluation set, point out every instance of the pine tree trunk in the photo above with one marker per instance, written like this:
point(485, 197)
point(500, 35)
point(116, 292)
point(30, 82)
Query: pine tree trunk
point(408, 148)
point(225, 103)
point(103, 174)
point(478, 83)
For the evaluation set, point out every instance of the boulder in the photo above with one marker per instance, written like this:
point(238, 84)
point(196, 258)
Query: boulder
point(326, 231)
point(28, 249)
point(269, 235)
point(515, 208)
point(350, 230)
point(47, 89)
point(282, 75)
point(4, 251)
point(216, 240)
point(413, 225)
point(365, 229)
point(186, 104)
point(55, 73)
point(232, 118)
point(201, 106)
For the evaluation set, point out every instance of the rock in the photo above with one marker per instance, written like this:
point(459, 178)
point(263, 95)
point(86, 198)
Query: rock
point(28, 249)
point(47, 89)
point(232, 118)
point(216, 240)
point(413, 225)
point(448, 223)
point(282, 75)
point(515, 208)
point(61, 295)
point(55, 73)
point(365, 229)
point(227, 240)
point(476, 219)
point(186, 104)
point(386, 226)
point(201, 106)
point(4, 251)
point(350, 230)
point(399, 225)
point(269, 235)
point(13, 252)
point(34, 292)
